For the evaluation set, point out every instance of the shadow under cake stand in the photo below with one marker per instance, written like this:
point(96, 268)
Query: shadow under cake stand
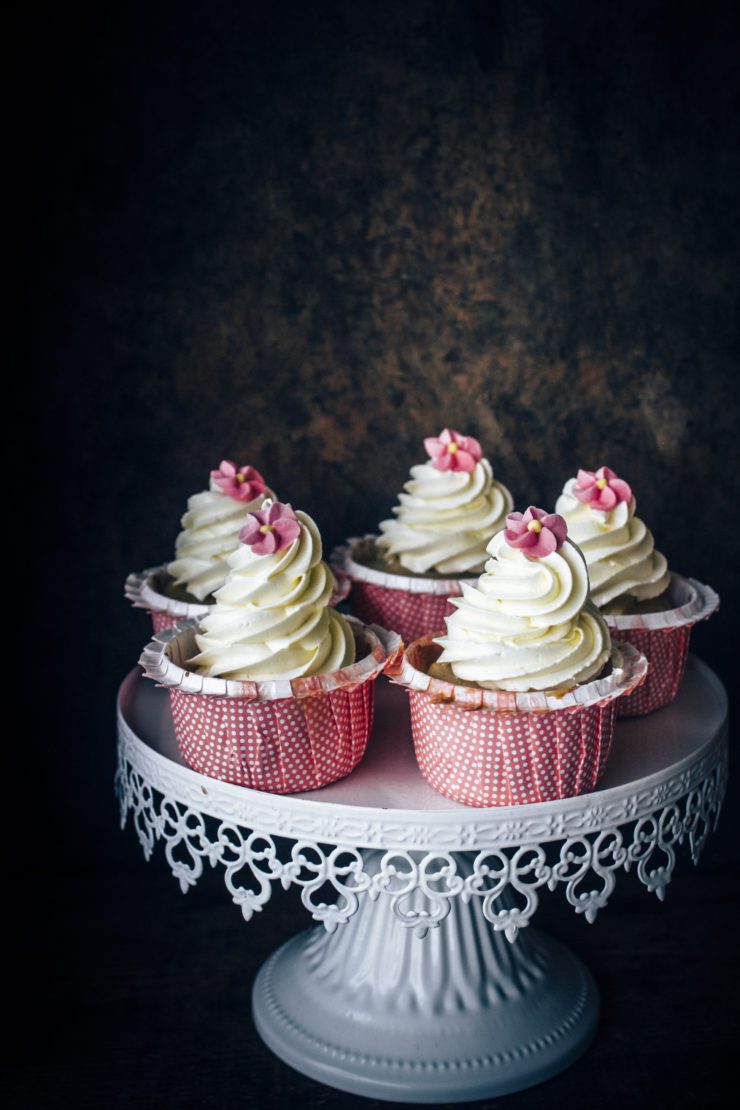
point(421, 983)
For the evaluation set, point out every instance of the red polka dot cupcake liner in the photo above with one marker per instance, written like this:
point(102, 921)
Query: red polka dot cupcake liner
point(145, 590)
point(282, 736)
point(495, 748)
point(411, 606)
point(664, 639)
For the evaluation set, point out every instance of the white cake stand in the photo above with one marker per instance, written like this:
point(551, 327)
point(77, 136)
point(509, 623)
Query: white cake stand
point(411, 988)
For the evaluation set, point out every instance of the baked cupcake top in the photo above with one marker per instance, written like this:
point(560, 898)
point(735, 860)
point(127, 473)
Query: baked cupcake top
point(448, 510)
point(211, 525)
point(271, 619)
point(528, 623)
point(618, 547)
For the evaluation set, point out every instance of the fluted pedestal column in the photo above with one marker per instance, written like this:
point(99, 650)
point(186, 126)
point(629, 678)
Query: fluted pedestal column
point(458, 1014)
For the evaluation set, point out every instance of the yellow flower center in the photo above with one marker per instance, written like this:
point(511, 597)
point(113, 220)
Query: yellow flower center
point(534, 526)
point(240, 478)
point(602, 483)
point(453, 448)
point(266, 528)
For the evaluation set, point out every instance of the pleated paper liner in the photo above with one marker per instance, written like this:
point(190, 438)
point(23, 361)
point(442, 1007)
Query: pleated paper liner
point(410, 605)
point(494, 748)
point(281, 736)
point(664, 639)
point(146, 590)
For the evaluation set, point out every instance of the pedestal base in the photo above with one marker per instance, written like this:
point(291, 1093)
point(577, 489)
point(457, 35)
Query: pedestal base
point(460, 1014)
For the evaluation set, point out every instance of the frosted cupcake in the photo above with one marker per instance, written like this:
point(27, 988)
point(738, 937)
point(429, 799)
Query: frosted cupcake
point(642, 601)
point(532, 657)
point(211, 528)
point(435, 540)
point(272, 689)
point(210, 533)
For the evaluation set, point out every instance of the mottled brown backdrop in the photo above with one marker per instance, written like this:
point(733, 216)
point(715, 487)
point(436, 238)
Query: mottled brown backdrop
point(307, 235)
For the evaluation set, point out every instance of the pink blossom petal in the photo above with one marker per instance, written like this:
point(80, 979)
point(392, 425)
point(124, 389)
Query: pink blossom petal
point(606, 500)
point(621, 489)
point(545, 545)
point(472, 446)
point(446, 436)
point(463, 461)
point(605, 472)
point(585, 496)
point(266, 544)
point(433, 447)
point(585, 479)
point(558, 526)
point(516, 524)
point(444, 462)
point(287, 530)
point(520, 539)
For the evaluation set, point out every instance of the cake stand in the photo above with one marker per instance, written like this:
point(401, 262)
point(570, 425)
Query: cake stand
point(424, 981)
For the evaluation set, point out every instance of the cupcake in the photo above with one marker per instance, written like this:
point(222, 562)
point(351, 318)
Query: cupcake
point(210, 533)
point(515, 704)
point(272, 689)
point(641, 600)
point(435, 540)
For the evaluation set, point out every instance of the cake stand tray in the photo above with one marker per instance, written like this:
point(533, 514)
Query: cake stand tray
point(424, 981)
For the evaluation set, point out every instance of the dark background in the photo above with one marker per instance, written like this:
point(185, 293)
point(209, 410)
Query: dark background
point(306, 236)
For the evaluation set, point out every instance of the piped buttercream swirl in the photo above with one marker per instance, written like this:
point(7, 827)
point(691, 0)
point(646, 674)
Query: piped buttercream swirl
point(618, 547)
point(210, 533)
point(527, 624)
point(445, 518)
point(271, 618)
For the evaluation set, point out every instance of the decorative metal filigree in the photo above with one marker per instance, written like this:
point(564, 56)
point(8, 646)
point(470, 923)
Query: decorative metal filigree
point(421, 883)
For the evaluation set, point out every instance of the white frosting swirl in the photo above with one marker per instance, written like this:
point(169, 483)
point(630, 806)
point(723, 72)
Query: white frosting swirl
point(445, 518)
point(210, 533)
point(527, 624)
point(618, 548)
point(271, 618)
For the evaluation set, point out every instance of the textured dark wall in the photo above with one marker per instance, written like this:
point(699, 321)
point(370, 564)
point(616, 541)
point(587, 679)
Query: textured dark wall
point(306, 236)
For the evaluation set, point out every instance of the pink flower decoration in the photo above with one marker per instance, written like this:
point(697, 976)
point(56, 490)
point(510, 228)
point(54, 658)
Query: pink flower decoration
point(271, 529)
point(243, 484)
point(451, 451)
point(536, 532)
point(602, 490)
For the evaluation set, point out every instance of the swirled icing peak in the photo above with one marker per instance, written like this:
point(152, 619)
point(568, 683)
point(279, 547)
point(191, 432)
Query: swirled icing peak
point(272, 618)
point(448, 511)
point(211, 526)
point(618, 547)
point(527, 624)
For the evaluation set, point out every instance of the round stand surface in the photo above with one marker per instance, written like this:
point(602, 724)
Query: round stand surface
point(413, 989)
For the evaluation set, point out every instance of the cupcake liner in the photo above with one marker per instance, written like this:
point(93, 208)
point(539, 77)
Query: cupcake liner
point(664, 639)
point(496, 748)
point(282, 736)
point(145, 591)
point(412, 606)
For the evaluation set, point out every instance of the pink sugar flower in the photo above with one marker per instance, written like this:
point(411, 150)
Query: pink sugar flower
point(271, 529)
point(602, 490)
point(243, 483)
point(535, 532)
point(451, 451)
